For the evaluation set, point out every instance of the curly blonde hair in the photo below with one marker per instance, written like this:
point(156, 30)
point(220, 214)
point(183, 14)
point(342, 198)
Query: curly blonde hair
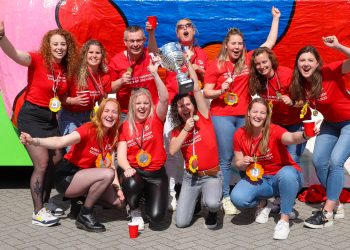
point(69, 61)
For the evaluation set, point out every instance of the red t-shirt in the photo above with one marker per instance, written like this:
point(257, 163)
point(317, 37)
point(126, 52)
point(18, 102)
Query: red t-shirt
point(277, 155)
point(200, 58)
point(141, 77)
point(205, 145)
point(97, 91)
point(282, 114)
point(152, 142)
point(239, 86)
point(334, 101)
point(85, 153)
point(41, 81)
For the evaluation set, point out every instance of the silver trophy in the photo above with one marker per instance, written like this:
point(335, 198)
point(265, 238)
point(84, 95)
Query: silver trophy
point(173, 59)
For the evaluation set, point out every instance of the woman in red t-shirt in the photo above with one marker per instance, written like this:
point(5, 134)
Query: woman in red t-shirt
point(141, 153)
point(88, 168)
point(259, 149)
point(226, 83)
point(324, 88)
point(271, 82)
point(92, 84)
point(194, 135)
point(49, 73)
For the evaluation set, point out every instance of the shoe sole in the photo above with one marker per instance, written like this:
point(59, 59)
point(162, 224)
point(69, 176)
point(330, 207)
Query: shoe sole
point(279, 237)
point(327, 224)
point(39, 223)
point(211, 226)
point(83, 227)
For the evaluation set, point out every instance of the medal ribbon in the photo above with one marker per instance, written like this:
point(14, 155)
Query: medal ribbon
point(276, 90)
point(55, 81)
point(140, 145)
point(253, 151)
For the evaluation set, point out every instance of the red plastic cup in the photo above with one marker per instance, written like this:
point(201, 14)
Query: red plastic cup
point(309, 126)
point(84, 92)
point(153, 21)
point(133, 230)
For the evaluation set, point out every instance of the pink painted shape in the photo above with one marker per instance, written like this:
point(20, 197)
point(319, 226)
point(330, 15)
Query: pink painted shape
point(26, 21)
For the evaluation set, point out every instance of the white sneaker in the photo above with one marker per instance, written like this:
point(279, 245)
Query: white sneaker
point(262, 213)
point(53, 208)
point(228, 207)
point(136, 218)
point(172, 201)
point(44, 218)
point(339, 212)
point(281, 230)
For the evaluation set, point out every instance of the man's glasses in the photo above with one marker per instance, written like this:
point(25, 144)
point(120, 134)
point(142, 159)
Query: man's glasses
point(182, 26)
point(138, 41)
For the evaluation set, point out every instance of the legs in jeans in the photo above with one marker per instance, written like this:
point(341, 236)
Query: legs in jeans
point(192, 187)
point(332, 148)
point(225, 126)
point(295, 150)
point(286, 183)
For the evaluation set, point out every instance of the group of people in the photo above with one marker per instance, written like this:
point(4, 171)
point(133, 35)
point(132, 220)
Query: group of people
point(159, 137)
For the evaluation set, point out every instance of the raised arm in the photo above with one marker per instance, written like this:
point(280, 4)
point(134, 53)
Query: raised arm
point(332, 42)
point(272, 37)
point(20, 57)
point(162, 106)
point(152, 42)
point(55, 142)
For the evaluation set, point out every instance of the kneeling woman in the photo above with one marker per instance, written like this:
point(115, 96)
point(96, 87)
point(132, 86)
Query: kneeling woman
point(141, 153)
point(194, 134)
point(87, 169)
point(259, 148)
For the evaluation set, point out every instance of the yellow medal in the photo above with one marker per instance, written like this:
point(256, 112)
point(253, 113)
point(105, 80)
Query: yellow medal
point(303, 110)
point(254, 172)
point(143, 158)
point(230, 98)
point(193, 164)
point(55, 104)
point(103, 162)
point(270, 106)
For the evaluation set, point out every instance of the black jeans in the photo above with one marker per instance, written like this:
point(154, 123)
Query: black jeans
point(154, 186)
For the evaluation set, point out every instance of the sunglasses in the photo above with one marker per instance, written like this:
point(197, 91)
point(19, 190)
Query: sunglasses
point(182, 26)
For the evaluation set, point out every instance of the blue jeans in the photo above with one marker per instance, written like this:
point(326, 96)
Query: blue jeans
point(69, 121)
point(332, 148)
point(295, 150)
point(225, 127)
point(192, 186)
point(286, 184)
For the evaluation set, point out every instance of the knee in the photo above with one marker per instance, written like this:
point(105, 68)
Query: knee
point(109, 175)
point(240, 199)
point(181, 222)
point(213, 204)
point(156, 215)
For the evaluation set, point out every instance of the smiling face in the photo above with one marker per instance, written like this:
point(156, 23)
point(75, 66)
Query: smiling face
point(263, 65)
point(109, 116)
point(185, 108)
point(234, 47)
point(185, 32)
point(307, 64)
point(58, 47)
point(142, 107)
point(257, 115)
point(134, 42)
point(94, 56)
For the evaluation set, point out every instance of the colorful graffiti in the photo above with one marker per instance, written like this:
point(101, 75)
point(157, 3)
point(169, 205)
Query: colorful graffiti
point(302, 22)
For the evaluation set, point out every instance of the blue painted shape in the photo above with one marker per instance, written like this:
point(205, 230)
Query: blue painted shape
point(212, 18)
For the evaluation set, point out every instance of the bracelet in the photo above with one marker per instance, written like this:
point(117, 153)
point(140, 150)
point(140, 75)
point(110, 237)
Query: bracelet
point(304, 136)
point(117, 187)
point(186, 130)
point(37, 142)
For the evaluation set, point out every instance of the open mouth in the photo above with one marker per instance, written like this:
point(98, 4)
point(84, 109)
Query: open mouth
point(186, 33)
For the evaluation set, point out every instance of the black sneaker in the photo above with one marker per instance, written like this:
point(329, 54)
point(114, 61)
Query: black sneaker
point(319, 220)
point(212, 220)
point(89, 223)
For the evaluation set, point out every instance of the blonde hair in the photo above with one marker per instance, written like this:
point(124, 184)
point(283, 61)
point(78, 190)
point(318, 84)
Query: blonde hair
point(97, 121)
point(240, 63)
point(131, 108)
point(263, 145)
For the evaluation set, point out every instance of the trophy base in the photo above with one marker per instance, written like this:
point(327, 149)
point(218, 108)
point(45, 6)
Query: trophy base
point(186, 86)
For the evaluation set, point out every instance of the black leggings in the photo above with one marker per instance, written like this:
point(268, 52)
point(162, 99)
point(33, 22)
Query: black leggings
point(154, 186)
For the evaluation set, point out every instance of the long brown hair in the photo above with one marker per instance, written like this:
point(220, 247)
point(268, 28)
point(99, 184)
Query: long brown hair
point(131, 108)
point(297, 89)
point(257, 82)
point(83, 72)
point(266, 129)
point(239, 65)
point(69, 61)
point(97, 121)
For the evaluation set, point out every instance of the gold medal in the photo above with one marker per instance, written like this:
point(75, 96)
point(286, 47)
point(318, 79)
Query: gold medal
point(143, 158)
point(94, 111)
point(303, 110)
point(193, 164)
point(105, 162)
point(230, 98)
point(278, 95)
point(55, 104)
point(254, 171)
point(314, 112)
